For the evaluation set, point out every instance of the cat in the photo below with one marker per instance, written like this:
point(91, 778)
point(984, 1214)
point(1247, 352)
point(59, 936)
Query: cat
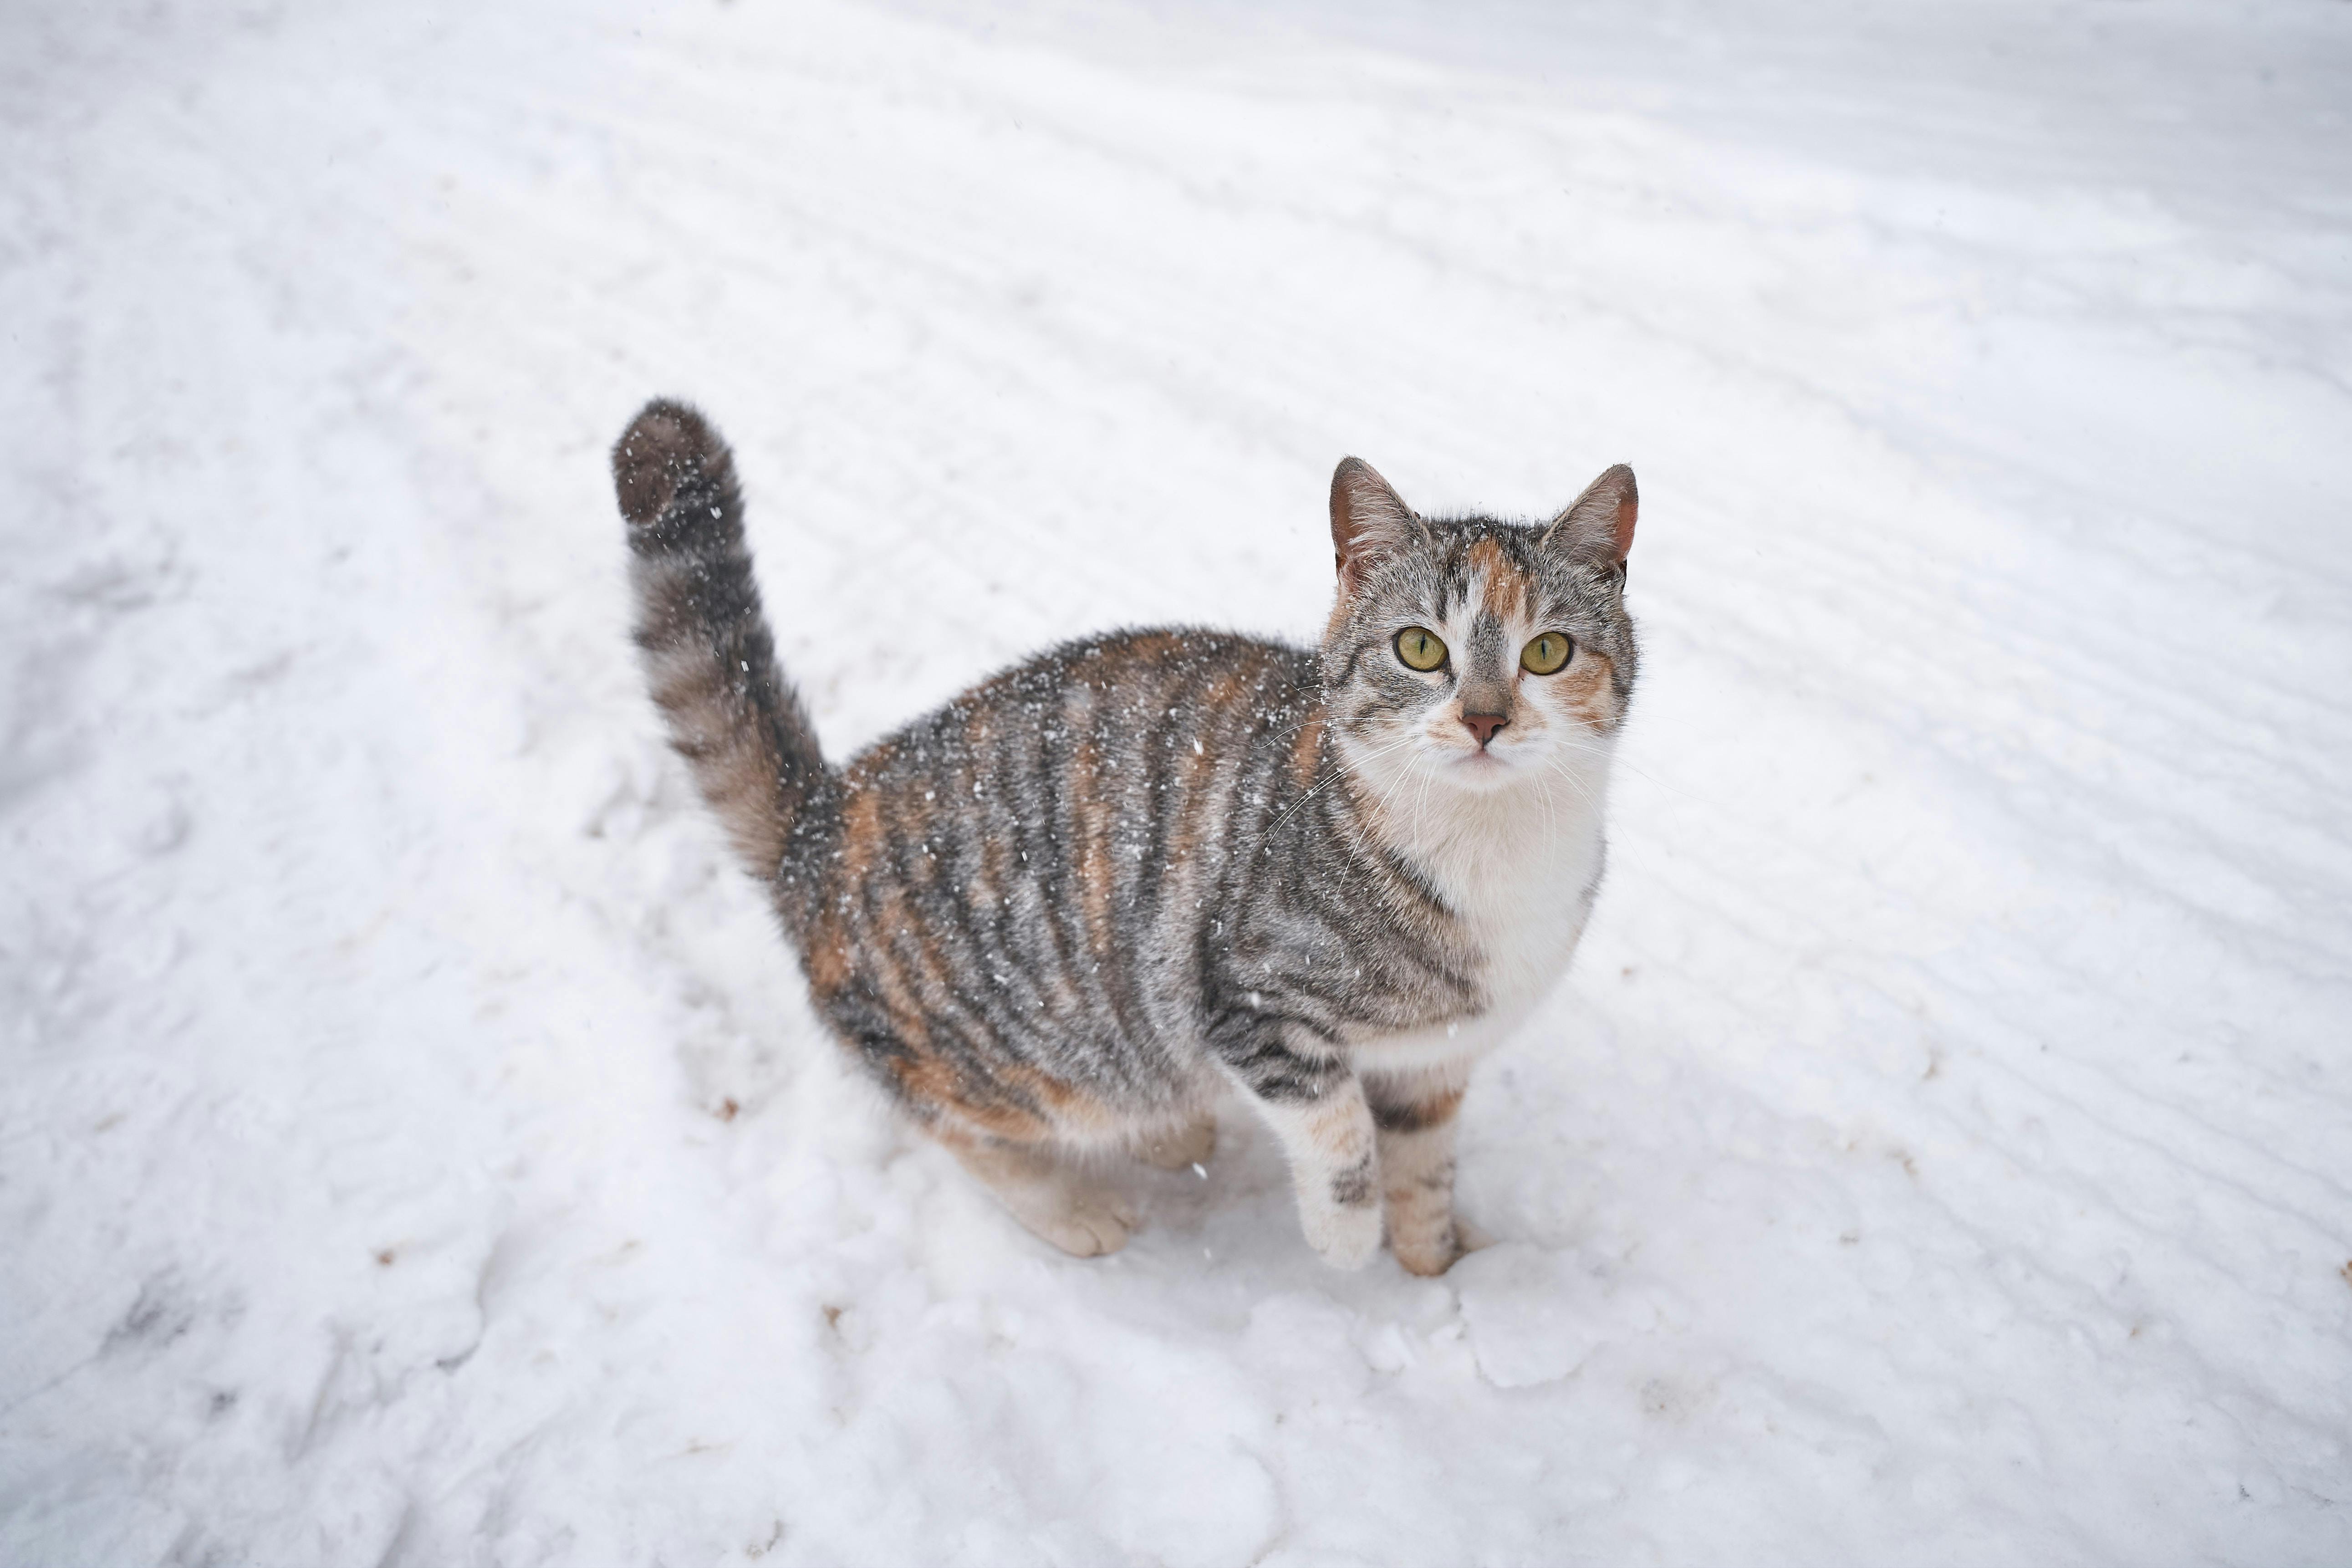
point(1067, 911)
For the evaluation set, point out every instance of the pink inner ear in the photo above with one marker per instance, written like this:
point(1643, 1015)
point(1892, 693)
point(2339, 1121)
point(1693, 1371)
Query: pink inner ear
point(1621, 537)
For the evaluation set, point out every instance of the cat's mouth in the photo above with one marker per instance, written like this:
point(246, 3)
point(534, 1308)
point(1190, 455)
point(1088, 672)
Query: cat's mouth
point(1480, 769)
point(1452, 753)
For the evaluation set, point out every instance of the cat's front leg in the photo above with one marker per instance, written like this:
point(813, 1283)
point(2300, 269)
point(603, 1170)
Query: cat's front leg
point(1309, 1096)
point(1335, 1168)
point(1415, 1116)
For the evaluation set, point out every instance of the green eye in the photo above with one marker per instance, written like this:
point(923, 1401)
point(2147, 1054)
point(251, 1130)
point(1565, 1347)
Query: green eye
point(1546, 653)
point(1419, 649)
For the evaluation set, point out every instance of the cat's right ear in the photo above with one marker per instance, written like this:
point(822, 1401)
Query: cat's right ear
point(1370, 521)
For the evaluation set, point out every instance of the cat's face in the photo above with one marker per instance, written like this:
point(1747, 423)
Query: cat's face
point(1480, 656)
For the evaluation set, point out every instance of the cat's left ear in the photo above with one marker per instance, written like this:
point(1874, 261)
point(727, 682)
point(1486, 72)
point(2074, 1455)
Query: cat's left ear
point(1599, 524)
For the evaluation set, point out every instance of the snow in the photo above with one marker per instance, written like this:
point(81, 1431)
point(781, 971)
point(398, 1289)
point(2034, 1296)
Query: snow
point(415, 1149)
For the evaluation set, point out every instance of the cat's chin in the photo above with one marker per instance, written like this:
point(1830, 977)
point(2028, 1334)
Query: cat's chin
point(1481, 770)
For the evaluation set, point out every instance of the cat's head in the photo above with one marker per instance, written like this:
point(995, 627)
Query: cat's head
point(1479, 653)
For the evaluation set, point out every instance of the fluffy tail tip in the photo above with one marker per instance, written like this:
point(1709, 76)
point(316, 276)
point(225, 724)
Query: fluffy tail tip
point(668, 444)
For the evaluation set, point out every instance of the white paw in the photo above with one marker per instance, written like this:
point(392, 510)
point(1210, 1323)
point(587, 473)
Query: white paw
point(1345, 1234)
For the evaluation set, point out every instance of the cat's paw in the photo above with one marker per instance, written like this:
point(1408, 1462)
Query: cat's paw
point(1085, 1225)
point(1427, 1256)
point(1181, 1149)
point(1346, 1234)
point(1439, 1248)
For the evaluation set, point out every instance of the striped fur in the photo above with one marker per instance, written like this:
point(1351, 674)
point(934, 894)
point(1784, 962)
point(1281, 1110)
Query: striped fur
point(1067, 910)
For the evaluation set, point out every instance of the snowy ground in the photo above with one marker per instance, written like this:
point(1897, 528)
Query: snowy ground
point(413, 1146)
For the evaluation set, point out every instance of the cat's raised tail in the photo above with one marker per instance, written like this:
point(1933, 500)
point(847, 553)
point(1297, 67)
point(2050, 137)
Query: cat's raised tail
point(707, 654)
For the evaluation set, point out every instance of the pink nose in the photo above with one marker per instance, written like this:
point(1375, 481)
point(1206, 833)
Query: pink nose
point(1483, 725)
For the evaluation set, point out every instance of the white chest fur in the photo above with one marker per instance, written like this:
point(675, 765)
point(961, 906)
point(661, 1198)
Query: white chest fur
point(1519, 867)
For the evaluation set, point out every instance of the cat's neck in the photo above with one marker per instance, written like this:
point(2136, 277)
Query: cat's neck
point(1515, 865)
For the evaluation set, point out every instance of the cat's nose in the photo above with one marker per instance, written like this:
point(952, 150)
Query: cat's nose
point(1483, 725)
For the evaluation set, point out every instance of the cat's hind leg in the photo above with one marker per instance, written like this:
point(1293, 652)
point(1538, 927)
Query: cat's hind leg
point(1050, 1196)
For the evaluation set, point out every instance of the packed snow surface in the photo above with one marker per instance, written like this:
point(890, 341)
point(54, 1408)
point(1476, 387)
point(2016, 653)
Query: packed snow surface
point(416, 1147)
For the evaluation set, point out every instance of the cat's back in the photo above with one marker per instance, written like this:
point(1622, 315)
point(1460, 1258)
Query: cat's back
point(1117, 707)
point(1092, 774)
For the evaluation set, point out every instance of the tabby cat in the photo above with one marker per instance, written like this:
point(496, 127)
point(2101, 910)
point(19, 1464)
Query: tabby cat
point(1067, 911)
